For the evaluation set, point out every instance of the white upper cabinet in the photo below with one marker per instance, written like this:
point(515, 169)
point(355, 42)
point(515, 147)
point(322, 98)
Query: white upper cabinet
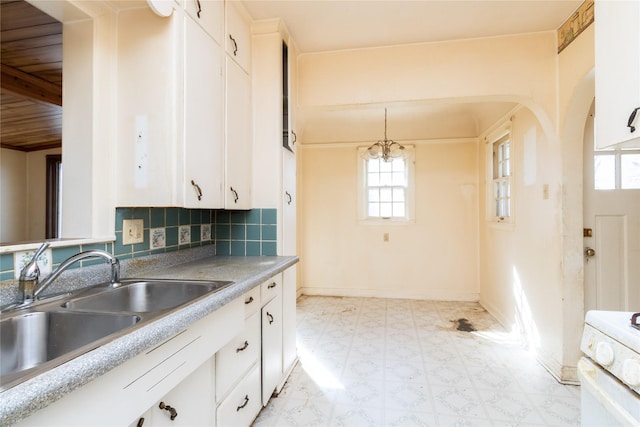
point(238, 38)
point(239, 117)
point(209, 14)
point(149, 106)
point(238, 140)
point(203, 119)
point(617, 57)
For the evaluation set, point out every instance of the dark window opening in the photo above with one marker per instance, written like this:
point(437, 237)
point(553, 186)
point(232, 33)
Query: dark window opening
point(54, 187)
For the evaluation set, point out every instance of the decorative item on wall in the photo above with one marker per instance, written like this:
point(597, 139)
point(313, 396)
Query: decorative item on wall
point(576, 24)
point(385, 149)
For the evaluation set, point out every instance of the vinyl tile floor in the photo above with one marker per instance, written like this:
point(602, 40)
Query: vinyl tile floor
point(392, 362)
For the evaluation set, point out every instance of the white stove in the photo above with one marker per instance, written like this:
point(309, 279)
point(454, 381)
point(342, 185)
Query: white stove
point(610, 371)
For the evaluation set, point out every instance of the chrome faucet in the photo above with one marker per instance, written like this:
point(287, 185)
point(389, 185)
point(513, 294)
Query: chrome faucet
point(37, 287)
point(30, 275)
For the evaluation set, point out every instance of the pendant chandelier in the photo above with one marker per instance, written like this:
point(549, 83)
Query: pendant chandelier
point(385, 149)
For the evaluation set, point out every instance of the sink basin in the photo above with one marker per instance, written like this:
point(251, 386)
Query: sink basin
point(38, 338)
point(31, 339)
point(142, 296)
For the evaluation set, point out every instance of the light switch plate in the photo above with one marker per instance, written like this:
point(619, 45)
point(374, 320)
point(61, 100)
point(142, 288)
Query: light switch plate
point(132, 231)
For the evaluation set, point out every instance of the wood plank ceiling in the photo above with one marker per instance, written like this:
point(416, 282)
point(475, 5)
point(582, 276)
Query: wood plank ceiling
point(31, 80)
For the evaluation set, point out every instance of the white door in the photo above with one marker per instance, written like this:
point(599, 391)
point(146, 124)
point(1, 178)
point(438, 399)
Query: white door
point(612, 217)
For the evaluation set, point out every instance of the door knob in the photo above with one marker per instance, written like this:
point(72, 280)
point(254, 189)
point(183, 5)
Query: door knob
point(589, 252)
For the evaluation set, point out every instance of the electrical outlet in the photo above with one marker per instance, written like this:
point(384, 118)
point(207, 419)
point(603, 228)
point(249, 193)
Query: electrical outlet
point(385, 237)
point(132, 231)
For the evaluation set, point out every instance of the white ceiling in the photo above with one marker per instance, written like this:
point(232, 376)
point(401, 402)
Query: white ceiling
point(328, 25)
point(324, 25)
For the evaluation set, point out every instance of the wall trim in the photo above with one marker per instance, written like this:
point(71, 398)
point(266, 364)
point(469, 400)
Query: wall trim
point(390, 293)
point(358, 144)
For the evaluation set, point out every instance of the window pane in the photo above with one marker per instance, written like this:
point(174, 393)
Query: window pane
point(385, 166)
point(374, 195)
point(398, 195)
point(398, 178)
point(386, 194)
point(630, 171)
point(374, 179)
point(604, 172)
point(385, 210)
point(374, 209)
point(398, 209)
point(373, 165)
point(385, 178)
point(398, 165)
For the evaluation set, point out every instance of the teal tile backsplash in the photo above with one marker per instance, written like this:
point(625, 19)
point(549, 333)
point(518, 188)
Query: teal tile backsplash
point(236, 233)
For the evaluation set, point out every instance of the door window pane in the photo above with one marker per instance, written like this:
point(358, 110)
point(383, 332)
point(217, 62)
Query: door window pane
point(604, 172)
point(630, 171)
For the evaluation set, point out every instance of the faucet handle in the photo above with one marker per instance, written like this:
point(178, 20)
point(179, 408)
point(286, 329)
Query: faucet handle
point(31, 271)
point(30, 276)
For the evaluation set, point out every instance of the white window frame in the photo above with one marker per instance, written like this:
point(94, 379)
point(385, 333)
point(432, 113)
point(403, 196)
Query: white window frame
point(500, 135)
point(363, 187)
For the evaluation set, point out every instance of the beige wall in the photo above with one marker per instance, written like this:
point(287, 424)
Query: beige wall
point(23, 193)
point(519, 68)
point(13, 190)
point(433, 257)
point(521, 263)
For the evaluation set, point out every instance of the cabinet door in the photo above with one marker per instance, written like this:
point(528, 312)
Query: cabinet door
point(289, 203)
point(203, 119)
point(191, 401)
point(617, 57)
point(238, 139)
point(289, 350)
point(238, 40)
point(271, 347)
point(209, 14)
point(234, 360)
point(146, 131)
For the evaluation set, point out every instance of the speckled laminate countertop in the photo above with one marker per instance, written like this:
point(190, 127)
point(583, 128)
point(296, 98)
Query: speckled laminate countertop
point(246, 273)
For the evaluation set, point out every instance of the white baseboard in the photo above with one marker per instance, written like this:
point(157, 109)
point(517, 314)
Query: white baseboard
point(390, 293)
point(562, 374)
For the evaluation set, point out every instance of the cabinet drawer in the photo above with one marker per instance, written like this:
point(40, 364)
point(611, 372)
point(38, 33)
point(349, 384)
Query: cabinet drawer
point(251, 301)
point(235, 358)
point(243, 403)
point(271, 288)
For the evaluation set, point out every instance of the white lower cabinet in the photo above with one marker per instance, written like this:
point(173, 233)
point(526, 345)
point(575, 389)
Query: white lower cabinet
point(122, 394)
point(235, 359)
point(271, 347)
point(220, 371)
point(289, 348)
point(243, 404)
point(189, 404)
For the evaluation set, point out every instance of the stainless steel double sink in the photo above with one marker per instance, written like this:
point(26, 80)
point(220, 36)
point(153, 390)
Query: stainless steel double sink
point(51, 332)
